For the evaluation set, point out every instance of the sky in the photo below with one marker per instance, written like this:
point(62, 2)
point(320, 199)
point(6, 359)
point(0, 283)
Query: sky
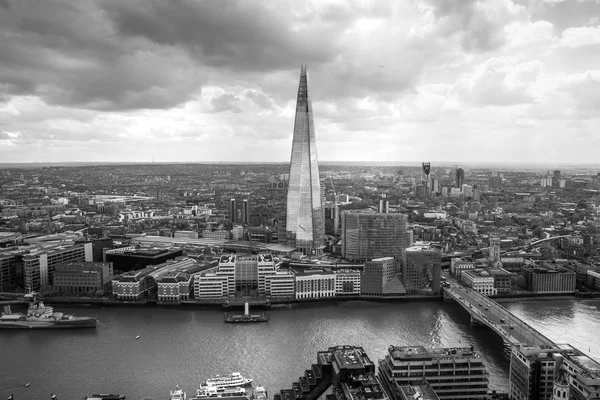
point(398, 80)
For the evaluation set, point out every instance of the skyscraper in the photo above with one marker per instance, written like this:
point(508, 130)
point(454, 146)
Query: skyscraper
point(305, 224)
point(460, 177)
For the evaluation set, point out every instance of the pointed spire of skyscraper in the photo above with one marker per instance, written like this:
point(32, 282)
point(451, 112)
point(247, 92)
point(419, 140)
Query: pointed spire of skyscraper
point(305, 225)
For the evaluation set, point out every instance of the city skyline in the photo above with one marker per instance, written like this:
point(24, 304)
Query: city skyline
point(499, 81)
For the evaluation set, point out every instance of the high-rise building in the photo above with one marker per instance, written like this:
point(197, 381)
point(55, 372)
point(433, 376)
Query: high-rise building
point(232, 211)
point(460, 177)
point(245, 212)
point(305, 225)
point(384, 204)
point(421, 274)
point(372, 235)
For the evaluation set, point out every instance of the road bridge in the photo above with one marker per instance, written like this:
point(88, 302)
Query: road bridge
point(485, 311)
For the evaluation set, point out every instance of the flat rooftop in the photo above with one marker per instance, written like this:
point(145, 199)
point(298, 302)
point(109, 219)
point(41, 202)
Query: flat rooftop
point(420, 352)
point(348, 358)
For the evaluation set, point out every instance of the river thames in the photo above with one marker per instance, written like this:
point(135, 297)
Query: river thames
point(187, 346)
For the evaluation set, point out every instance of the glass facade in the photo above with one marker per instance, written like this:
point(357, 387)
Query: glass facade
point(305, 224)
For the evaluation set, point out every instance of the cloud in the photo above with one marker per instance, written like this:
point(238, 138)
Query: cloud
point(478, 25)
point(185, 79)
point(581, 36)
point(66, 53)
point(498, 82)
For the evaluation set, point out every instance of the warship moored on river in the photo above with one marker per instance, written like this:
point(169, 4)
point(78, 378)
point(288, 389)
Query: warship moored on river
point(40, 316)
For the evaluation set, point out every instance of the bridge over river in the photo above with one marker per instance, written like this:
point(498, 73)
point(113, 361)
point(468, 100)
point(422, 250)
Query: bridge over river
point(486, 311)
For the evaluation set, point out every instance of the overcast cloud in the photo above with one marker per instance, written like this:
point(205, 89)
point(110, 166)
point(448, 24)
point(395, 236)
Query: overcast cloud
point(191, 80)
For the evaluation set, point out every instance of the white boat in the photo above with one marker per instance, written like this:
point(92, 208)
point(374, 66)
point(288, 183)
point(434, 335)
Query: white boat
point(208, 392)
point(260, 393)
point(233, 380)
point(178, 394)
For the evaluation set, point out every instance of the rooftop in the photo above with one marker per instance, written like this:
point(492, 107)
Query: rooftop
point(420, 352)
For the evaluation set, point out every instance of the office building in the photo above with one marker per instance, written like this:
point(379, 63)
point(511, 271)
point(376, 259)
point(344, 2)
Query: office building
point(366, 236)
point(38, 268)
point(479, 280)
point(143, 283)
point(384, 204)
point(543, 371)
point(314, 283)
point(174, 287)
point(422, 272)
point(347, 282)
point(233, 217)
point(82, 278)
point(453, 373)
point(305, 225)
point(549, 278)
point(460, 178)
point(376, 274)
point(240, 275)
point(8, 272)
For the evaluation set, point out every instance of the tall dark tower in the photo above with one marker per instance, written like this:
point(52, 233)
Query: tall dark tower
point(245, 212)
point(427, 170)
point(305, 224)
point(460, 177)
point(232, 211)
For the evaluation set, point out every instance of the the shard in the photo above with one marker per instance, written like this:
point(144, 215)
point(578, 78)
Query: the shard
point(305, 224)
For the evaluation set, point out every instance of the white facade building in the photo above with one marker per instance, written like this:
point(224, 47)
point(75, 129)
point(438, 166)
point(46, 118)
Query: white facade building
point(480, 281)
point(347, 282)
point(315, 284)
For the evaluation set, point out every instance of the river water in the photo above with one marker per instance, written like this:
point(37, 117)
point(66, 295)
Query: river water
point(185, 347)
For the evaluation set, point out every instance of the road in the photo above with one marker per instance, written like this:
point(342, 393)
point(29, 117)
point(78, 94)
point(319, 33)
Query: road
point(490, 313)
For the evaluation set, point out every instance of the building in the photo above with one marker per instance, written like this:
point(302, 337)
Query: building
point(137, 284)
point(501, 280)
point(549, 278)
point(376, 274)
point(366, 236)
point(8, 272)
point(414, 392)
point(458, 266)
point(542, 371)
point(422, 272)
point(240, 275)
point(347, 282)
point(174, 287)
point(480, 281)
point(532, 371)
point(38, 267)
point(281, 284)
point(133, 259)
point(460, 178)
point(305, 225)
point(494, 252)
point(82, 278)
point(315, 283)
point(441, 368)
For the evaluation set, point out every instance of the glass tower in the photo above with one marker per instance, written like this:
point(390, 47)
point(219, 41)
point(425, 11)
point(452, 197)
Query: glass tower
point(305, 222)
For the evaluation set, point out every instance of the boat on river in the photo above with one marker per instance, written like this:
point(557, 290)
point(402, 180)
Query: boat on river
point(41, 316)
point(232, 380)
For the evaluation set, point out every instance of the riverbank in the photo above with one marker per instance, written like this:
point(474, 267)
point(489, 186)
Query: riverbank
point(294, 303)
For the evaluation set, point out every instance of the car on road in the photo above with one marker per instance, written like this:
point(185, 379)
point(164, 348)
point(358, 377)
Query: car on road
point(502, 320)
